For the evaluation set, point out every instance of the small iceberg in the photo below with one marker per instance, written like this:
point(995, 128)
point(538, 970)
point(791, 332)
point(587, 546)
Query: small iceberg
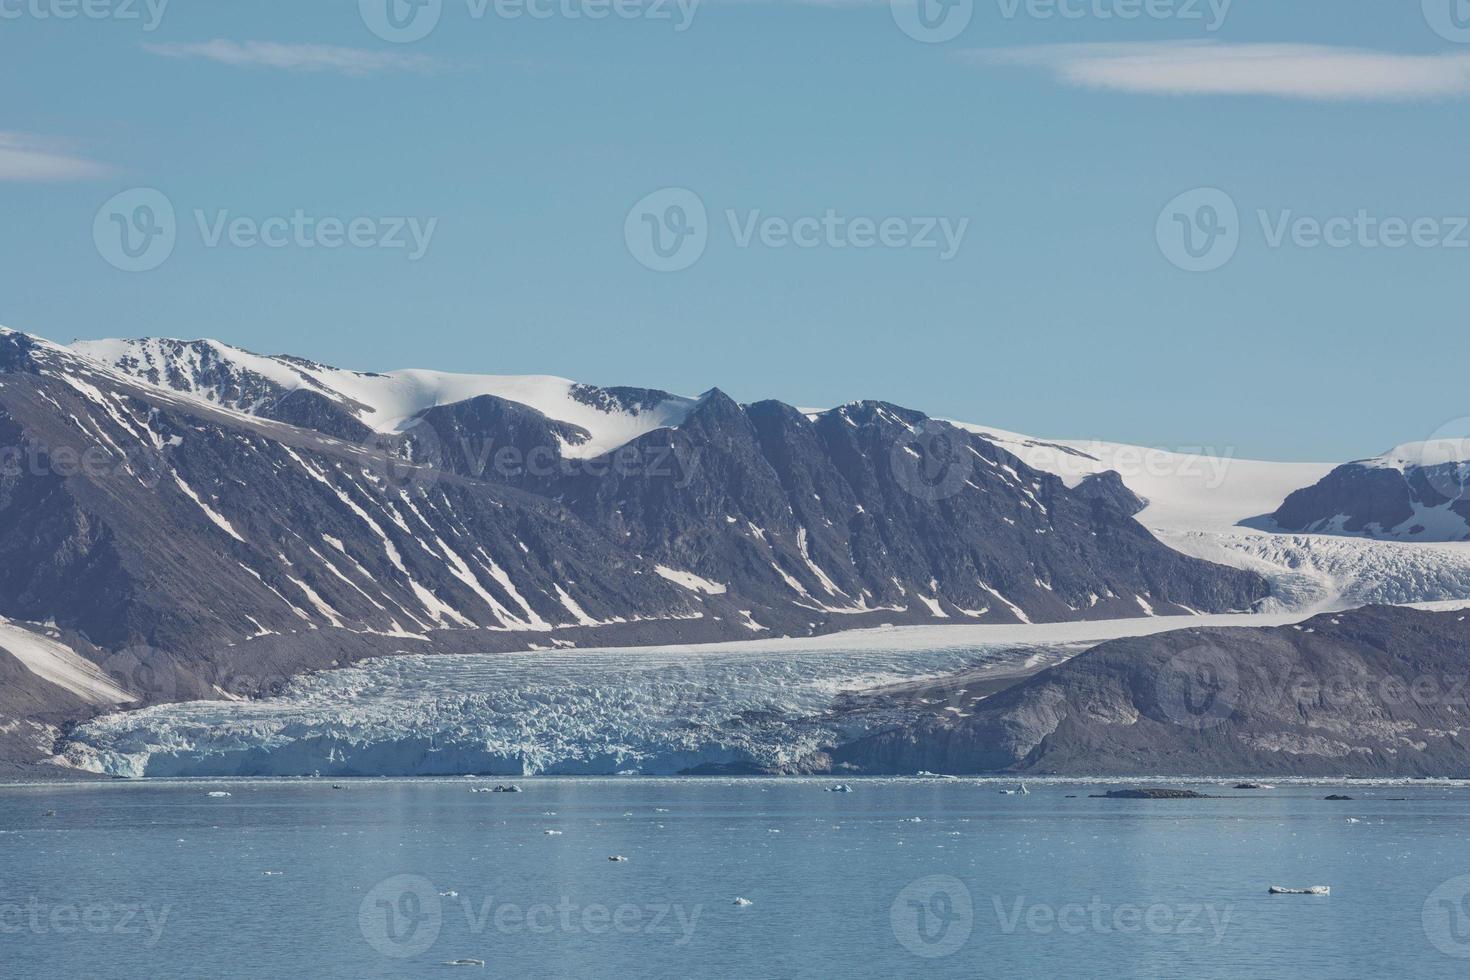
point(218, 793)
point(449, 894)
point(1312, 890)
point(552, 833)
point(617, 857)
point(912, 820)
point(743, 901)
point(512, 788)
point(840, 788)
point(464, 962)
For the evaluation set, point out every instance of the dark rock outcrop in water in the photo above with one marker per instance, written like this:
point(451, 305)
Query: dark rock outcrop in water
point(203, 550)
point(1151, 794)
point(1376, 692)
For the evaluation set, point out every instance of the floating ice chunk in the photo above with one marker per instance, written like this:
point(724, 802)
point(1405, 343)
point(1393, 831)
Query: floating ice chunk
point(218, 793)
point(1311, 890)
point(743, 901)
point(617, 857)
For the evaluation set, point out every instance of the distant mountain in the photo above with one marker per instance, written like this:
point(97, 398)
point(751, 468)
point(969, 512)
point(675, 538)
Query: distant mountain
point(1379, 691)
point(1416, 492)
point(200, 520)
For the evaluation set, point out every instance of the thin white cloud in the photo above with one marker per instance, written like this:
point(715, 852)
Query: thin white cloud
point(32, 158)
point(296, 57)
point(1293, 71)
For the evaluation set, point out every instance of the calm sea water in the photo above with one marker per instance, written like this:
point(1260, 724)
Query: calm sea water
point(392, 878)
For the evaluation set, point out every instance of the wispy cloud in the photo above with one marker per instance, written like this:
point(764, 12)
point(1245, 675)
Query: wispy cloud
point(1292, 71)
point(33, 158)
point(297, 57)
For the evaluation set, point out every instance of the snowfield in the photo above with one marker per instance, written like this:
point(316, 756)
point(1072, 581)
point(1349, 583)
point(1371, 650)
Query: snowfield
point(387, 402)
point(1197, 504)
point(58, 664)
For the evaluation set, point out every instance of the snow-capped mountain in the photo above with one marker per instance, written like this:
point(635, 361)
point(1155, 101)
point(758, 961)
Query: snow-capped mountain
point(186, 520)
point(1414, 492)
point(199, 521)
point(352, 404)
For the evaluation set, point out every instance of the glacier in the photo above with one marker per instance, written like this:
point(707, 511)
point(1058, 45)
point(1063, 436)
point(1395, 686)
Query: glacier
point(655, 711)
point(583, 712)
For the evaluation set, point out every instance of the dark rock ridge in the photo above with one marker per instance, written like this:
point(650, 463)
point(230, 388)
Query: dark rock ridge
point(1413, 502)
point(1151, 794)
point(1381, 691)
point(195, 549)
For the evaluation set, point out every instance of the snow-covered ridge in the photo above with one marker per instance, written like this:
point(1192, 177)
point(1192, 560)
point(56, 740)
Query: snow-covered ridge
point(1213, 507)
point(220, 374)
point(1434, 452)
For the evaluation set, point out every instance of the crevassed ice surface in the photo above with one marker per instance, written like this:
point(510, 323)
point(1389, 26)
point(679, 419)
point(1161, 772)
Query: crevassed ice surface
point(565, 712)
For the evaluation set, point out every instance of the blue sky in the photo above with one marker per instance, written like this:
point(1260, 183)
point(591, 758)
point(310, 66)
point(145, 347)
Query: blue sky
point(521, 145)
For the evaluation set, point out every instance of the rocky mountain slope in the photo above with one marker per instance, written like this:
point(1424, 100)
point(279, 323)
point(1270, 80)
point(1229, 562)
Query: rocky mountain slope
point(1416, 492)
point(1376, 691)
point(204, 523)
